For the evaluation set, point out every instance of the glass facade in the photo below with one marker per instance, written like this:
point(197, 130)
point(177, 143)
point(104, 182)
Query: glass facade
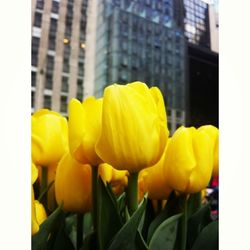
point(196, 22)
point(140, 40)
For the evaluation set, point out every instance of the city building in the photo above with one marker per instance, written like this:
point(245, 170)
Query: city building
point(58, 52)
point(79, 47)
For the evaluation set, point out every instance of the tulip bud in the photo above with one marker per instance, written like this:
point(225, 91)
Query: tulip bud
point(117, 178)
point(49, 137)
point(189, 160)
point(84, 129)
point(134, 129)
point(155, 182)
point(213, 132)
point(73, 185)
point(38, 213)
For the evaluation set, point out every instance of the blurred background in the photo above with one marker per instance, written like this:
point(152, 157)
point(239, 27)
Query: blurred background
point(81, 46)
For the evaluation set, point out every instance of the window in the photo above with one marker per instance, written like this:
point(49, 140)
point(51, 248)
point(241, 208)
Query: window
point(33, 78)
point(66, 65)
point(124, 45)
point(52, 41)
point(79, 94)
point(38, 19)
point(39, 4)
point(64, 104)
point(47, 101)
point(66, 51)
point(53, 25)
point(65, 84)
point(50, 63)
point(35, 47)
point(178, 113)
point(48, 81)
point(80, 68)
point(124, 61)
point(55, 7)
point(32, 99)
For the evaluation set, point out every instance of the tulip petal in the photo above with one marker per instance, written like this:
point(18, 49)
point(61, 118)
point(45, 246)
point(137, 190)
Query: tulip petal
point(131, 128)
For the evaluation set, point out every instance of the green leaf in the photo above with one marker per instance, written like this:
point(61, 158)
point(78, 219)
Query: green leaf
point(196, 223)
point(148, 218)
point(108, 221)
point(49, 226)
point(139, 242)
point(208, 238)
point(89, 242)
point(194, 203)
point(121, 204)
point(164, 236)
point(172, 207)
point(125, 238)
point(61, 239)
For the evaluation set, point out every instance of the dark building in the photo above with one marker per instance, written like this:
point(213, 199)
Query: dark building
point(202, 63)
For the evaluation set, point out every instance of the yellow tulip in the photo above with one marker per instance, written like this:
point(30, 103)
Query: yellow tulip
point(73, 185)
point(41, 215)
point(34, 222)
point(142, 190)
point(34, 173)
point(189, 160)
point(117, 178)
point(38, 213)
point(134, 130)
point(213, 132)
point(84, 129)
point(155, 182)
point(49, 137)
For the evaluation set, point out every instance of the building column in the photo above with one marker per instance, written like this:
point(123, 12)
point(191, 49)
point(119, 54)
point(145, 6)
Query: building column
point(75, 43)
point(58, 62)
point(42, 55)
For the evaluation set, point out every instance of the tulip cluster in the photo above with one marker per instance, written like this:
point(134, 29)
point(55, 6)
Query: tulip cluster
point(111, 157)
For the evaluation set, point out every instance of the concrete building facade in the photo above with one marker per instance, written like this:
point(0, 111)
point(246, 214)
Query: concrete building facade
point(58, 52)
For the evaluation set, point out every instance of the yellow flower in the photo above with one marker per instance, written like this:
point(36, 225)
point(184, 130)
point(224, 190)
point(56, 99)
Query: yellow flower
point(134, 130)
point(38, 213)
point(34, 173)
point(49, 137)
point(41, 215)
point(213, 132)
point(154, 180)
point(34, 222)
point(73, 185)
point(84, 129)
point(189, 160)
point(117, 178)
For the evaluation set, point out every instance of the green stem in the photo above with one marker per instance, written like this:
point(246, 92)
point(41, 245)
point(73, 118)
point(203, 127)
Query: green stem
point(131, 193)
point(44, 185)
point(94, 196)
point(79, 234)
point(184, 225)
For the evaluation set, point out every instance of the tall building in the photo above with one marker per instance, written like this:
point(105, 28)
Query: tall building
point(58, 52)
point(201, 29)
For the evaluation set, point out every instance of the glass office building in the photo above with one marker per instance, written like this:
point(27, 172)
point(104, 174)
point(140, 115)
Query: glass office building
point(140, 40)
